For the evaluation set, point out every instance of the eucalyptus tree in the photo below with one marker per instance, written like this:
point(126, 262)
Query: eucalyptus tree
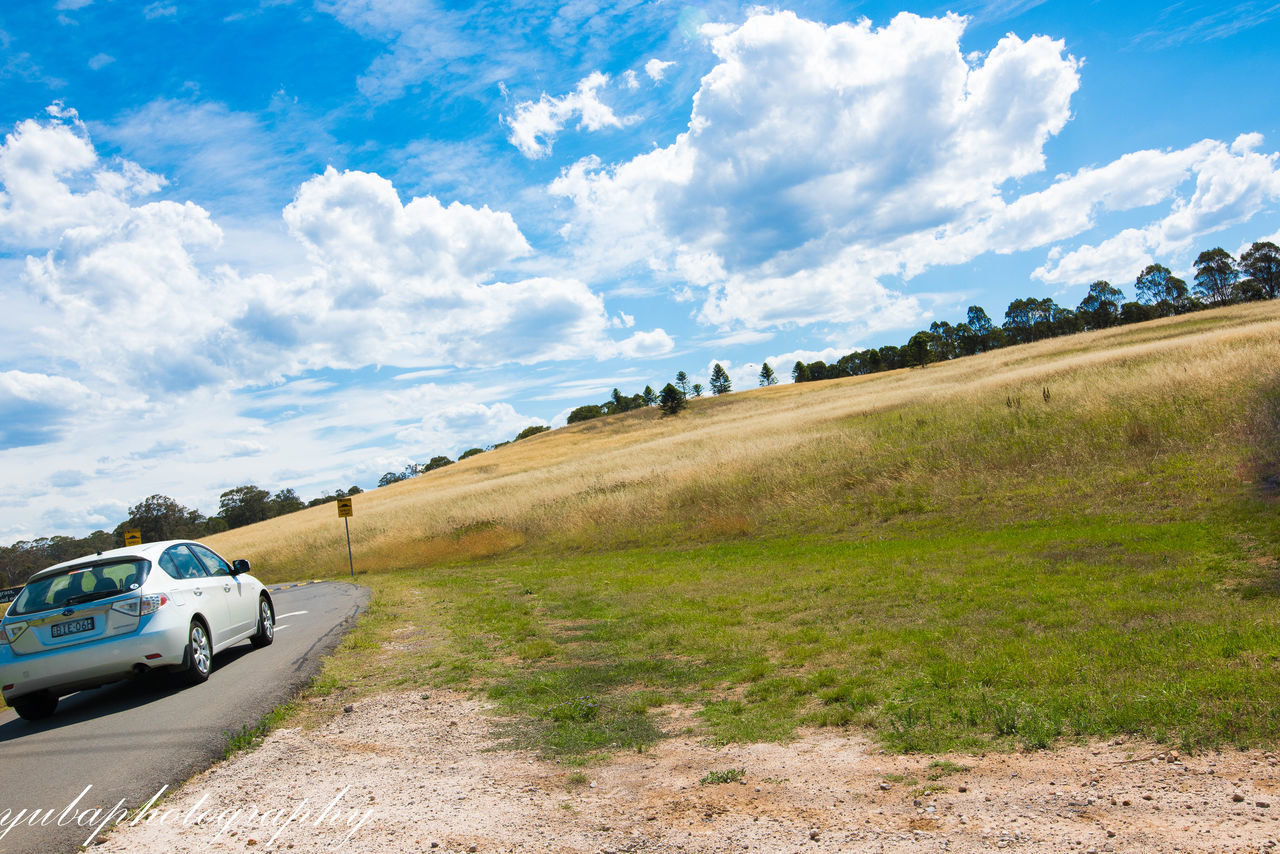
point(1158, 286)
point(1101, 306)
point(1261, 263)
point(1216, 276)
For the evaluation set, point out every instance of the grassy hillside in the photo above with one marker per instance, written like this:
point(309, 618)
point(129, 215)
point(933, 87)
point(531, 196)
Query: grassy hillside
point(1072, 538)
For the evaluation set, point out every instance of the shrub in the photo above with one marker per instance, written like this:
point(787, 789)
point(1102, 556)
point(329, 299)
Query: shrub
point(585, 413)
point(531, 431)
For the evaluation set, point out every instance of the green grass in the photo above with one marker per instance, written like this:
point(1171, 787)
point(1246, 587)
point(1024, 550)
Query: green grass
point(956, 638)
point(250, 736)
point(987, 570)
point(942, 767)
point(929, 789)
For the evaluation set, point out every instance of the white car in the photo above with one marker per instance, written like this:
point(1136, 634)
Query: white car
point(121, 613)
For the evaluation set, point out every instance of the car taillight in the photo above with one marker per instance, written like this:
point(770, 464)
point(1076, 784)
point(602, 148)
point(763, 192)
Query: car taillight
point(11, 632)
point(141, 605)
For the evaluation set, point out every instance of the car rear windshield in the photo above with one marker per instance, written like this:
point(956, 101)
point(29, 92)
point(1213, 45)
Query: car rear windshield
point(78, 584)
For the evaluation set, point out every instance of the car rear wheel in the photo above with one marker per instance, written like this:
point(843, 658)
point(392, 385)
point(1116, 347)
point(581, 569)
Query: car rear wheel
point(199, 654)
point(35, 706)
point(266, 625)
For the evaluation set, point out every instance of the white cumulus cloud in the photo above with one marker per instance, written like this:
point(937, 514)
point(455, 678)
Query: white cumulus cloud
point(349, 221)
point(453, 426)
point(644, 345)
point(51, 180)
point(536, 124)
point(1210, 186)
point(809, 144)
point(35, 407)
point(823, 164)
point(782, 363)
point(657, 69)
point(385, 280)
point(410, 283)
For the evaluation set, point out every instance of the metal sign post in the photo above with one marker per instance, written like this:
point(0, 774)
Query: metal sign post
point(346, 511)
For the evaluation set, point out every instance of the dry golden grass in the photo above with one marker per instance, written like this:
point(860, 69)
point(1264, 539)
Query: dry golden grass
point(753, 461)
point(1073, 538)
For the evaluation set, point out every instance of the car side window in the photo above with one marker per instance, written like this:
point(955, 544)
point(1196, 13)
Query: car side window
point(215, 564)
point(177, 562)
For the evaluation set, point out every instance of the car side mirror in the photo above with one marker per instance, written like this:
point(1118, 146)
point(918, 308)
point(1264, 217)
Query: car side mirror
point(239, 566)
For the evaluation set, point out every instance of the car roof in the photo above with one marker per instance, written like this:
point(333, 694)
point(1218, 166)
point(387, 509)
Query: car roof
point(146, 551)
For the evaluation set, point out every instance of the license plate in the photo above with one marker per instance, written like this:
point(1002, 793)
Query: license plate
point(72, 627)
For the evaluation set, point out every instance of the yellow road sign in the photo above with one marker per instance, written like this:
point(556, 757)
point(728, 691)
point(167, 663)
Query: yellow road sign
point(344, 508)
point(133, 537)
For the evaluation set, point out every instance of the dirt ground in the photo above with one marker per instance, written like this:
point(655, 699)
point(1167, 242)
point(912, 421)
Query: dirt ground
point(409, 772)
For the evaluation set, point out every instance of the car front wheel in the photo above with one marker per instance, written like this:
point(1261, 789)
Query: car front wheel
point(199, 654)
point(266, 625)
point(36, 706)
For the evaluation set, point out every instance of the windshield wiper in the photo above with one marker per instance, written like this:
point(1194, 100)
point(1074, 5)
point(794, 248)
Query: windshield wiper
point(91, 597)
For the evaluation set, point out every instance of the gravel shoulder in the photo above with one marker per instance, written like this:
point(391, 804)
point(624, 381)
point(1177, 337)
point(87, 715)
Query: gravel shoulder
point(412, 772)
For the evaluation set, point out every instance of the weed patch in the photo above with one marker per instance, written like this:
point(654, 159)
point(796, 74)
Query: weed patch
point(576, 710)
point(249, 737)
point(940, 768)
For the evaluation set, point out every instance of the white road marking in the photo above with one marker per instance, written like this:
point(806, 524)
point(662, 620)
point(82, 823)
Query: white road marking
point(291, 614)
point(279, 627)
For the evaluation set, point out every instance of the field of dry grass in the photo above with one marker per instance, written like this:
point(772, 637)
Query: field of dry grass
point(787, 458)
point(1071, 539)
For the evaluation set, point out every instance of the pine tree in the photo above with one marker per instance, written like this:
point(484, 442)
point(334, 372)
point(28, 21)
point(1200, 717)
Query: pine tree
point(671, 400)
point(682, 382)
point(650, 396)
point(767, 376)
point(720, 383)
point(696, 389)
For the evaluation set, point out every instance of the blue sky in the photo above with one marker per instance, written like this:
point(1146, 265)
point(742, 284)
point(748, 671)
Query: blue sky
point(304, 243)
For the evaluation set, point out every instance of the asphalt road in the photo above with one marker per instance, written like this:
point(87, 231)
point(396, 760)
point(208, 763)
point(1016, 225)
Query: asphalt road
point(130, 739)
